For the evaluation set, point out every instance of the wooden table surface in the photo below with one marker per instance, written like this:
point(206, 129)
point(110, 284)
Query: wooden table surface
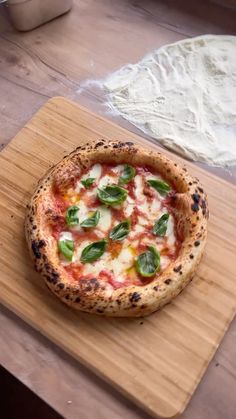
point(94, 39)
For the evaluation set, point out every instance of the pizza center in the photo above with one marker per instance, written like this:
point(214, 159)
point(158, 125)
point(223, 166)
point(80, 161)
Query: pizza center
point(115, 224)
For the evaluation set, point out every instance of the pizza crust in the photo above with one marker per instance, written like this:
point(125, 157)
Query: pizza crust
point(190, 209)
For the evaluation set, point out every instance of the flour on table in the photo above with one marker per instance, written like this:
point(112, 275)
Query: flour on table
point(183, 95)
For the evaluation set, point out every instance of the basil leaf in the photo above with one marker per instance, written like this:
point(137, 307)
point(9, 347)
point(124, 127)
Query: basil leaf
point(72, 218)
point(160, 226)
point(148, 263)
point(93, 251)
point(162, 187)
point(88, 182)
point(127, 175)
point(91, 221)
point(66, 248)
point(112, 194)
point(120, 231)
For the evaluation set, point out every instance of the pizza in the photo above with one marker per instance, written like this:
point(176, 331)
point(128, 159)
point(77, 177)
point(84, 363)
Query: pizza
point(116, 229)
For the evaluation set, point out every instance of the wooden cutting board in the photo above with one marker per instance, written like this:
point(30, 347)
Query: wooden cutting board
point(156, 361)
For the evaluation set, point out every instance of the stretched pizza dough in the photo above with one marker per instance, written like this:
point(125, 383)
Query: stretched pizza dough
point(184, 95)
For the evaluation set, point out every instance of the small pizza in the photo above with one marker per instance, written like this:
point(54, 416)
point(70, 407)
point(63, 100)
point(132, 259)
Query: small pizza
point(116, 229)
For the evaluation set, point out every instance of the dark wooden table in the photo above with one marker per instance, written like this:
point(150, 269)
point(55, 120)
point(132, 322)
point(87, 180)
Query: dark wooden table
point(94, 39)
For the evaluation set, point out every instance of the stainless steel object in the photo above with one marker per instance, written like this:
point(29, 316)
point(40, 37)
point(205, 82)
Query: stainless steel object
point(28, 14)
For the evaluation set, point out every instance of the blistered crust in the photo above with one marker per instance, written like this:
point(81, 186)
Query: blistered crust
point(189, 205)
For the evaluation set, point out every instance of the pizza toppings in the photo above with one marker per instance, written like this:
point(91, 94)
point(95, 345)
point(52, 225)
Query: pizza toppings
point(120, 234)
point(160, 226)
point(117, 239)
point(88, 182)
point(66, 248)
point(120, 231)
point(92, 221)
point(93, 251)
point(162, 187)
point(112, 195)
point(127, 174)
point(148, 263)
point(72, 218)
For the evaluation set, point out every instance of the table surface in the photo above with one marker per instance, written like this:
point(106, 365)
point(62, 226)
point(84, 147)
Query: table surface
point(94, 39)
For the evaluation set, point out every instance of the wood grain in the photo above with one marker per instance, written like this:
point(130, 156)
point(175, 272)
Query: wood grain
point(158, 363)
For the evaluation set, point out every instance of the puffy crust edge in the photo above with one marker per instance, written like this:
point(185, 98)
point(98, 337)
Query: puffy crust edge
point(190, 204)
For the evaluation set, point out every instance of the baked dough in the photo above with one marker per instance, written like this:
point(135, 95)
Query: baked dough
point(188, 206)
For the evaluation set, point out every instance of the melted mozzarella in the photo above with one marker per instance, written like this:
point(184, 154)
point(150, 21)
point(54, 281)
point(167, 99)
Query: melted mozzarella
point(164, 262)
point(129, 206)
point(65, 235)
point(138, 228)
point(95, 172)
point(123, 262)
point(78, 251)
point(142, 221)
point(138, 180)
point(170, 231)
point(105, 218)
point(107, 180)
point(82, 214)
point(118, 169)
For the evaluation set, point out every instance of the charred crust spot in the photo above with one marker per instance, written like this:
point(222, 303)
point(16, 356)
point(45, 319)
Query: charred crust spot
point(168, 281)
point(155, 288)
point(99, 310)
point(121, 144)
point(204, 207)
point(133, 305)
point(41, 243)
point(196, 198)
point(190, 183)
point(143, 306)
point(30, 219)
point(200, 189)
point(184, 169)
point(34, 227)
point(191, 256)
point(195, 207)
point(168, 171)
point(177, 268)
point(197, 243)
point(180, 273)
point(61, 285)
point(198, 218)
point(118, 302)
point(175, 164)
point(89, 284)
point(36, 246)
point(134, 297)
point(67, 297)
point(99, 144)
point(77, 300)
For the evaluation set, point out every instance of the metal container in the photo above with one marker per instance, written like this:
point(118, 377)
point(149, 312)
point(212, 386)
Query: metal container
point(28, 14)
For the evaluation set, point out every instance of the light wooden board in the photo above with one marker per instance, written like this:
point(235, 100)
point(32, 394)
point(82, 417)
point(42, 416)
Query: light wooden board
point(157, 361)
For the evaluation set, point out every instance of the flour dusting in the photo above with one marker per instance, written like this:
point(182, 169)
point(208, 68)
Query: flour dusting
point(184, 95)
